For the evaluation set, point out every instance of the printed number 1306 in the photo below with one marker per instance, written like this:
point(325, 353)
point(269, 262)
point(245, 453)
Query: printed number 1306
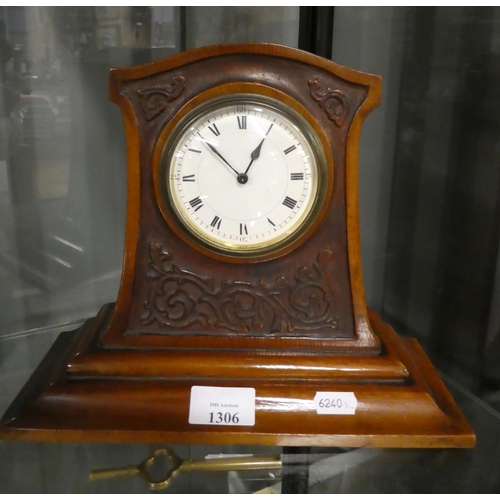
point(224, 418)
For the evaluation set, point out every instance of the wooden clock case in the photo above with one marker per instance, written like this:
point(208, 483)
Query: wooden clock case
point(288, 324)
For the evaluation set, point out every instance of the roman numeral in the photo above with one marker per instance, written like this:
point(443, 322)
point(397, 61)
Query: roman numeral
point(242, 122)
point(289, 202)
point(188, 178)
point(243, 229)
point(290, 149)
point(297, 177)
point(214, 130)
point(194, 150)
point(271, 222)
point(196, 202)
point(216, 222)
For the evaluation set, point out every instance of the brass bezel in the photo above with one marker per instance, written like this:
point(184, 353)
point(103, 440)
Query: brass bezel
point(261, 251)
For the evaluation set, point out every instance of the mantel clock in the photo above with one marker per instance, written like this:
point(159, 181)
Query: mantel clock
point(241, 272)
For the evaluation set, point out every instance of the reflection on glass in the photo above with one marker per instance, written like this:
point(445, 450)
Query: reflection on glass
point(62, 145)
point(430, 179)
point(242, 24)
point(62, 155)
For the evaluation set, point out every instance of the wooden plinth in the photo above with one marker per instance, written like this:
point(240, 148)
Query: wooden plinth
point(103, 396)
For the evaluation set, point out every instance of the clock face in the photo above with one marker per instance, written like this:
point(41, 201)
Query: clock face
point(242, 175)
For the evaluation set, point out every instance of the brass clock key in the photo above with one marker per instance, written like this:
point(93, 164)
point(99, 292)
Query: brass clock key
point(177, 464)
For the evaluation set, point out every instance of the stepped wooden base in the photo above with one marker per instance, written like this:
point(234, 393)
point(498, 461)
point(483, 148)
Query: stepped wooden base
point(80, 393)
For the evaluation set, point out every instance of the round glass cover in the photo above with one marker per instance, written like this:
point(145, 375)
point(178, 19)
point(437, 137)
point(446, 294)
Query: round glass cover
point(242, 174)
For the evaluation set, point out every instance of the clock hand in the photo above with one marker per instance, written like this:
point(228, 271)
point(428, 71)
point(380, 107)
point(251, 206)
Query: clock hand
point(218, 154)
point(256, 152)
point(222, 158)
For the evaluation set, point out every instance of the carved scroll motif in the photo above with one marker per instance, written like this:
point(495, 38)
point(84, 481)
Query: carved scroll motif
point(155, 99)
point(333, 101)
point(182, 299)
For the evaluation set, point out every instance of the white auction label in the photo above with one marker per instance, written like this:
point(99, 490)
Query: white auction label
point(222, 405)
point(335, 403)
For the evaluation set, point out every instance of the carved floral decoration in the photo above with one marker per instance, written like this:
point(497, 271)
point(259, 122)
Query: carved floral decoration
point(155, 99)
point(182, 299)
point(333, 101)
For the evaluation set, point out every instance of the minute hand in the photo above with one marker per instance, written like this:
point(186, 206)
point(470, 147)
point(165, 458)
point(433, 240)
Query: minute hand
point(221, 157)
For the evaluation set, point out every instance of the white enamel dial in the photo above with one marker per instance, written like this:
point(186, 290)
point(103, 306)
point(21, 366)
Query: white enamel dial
point(242, 175)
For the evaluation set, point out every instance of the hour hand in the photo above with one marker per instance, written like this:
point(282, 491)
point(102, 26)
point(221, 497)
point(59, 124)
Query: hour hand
point(256, 152)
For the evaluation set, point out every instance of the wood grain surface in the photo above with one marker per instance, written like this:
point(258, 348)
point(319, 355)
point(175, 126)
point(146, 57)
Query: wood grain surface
point(125, 376)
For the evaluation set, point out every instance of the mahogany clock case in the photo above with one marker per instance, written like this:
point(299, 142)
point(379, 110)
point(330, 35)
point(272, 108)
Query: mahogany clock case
point(288, 322)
